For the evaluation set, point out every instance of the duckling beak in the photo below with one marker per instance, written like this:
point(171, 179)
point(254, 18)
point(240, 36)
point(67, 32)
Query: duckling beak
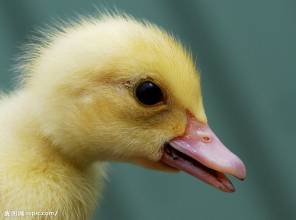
point(200, 153)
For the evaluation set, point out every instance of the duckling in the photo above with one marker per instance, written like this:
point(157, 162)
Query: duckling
point(103, 89)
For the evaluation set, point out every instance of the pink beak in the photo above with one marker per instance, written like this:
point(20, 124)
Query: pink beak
point(200, 153)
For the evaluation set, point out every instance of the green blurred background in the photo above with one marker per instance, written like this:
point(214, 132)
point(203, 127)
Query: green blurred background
point(246, 52)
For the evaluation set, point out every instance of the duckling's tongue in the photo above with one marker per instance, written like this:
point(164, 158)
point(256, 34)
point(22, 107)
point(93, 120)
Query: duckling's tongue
point(200, 153)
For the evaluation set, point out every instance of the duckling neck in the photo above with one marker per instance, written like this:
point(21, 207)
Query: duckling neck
point(29, 161)
point(22, 132)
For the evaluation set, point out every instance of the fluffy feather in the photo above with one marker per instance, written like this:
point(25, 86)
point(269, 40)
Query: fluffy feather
point(76, 106)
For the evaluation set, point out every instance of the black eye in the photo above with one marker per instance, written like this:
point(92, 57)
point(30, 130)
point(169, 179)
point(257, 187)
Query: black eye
point(149, 93)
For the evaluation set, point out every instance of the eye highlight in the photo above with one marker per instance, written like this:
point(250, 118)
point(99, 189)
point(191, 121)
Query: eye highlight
point(148, 93)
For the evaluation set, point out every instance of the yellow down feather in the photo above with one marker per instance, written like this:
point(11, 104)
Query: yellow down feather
point(76, 109)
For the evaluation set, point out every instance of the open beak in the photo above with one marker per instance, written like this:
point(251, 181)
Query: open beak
point(201, 154)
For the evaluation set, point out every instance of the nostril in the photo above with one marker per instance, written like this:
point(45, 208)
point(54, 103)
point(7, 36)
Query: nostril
point(205, 139)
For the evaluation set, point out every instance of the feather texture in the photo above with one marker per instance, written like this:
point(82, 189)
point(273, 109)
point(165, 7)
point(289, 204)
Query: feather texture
point(75, 109)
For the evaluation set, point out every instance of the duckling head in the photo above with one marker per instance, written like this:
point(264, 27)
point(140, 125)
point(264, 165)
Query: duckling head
point(115, 89)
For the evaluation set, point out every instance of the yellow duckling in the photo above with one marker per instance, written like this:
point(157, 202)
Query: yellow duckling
point(107, 89)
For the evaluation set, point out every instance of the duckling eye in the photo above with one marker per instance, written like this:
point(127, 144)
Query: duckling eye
point(148, 93)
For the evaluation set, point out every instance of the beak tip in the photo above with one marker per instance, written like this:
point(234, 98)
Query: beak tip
point(241, 178)
point(228, 189)
point(232, 190)
point(240, 171)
